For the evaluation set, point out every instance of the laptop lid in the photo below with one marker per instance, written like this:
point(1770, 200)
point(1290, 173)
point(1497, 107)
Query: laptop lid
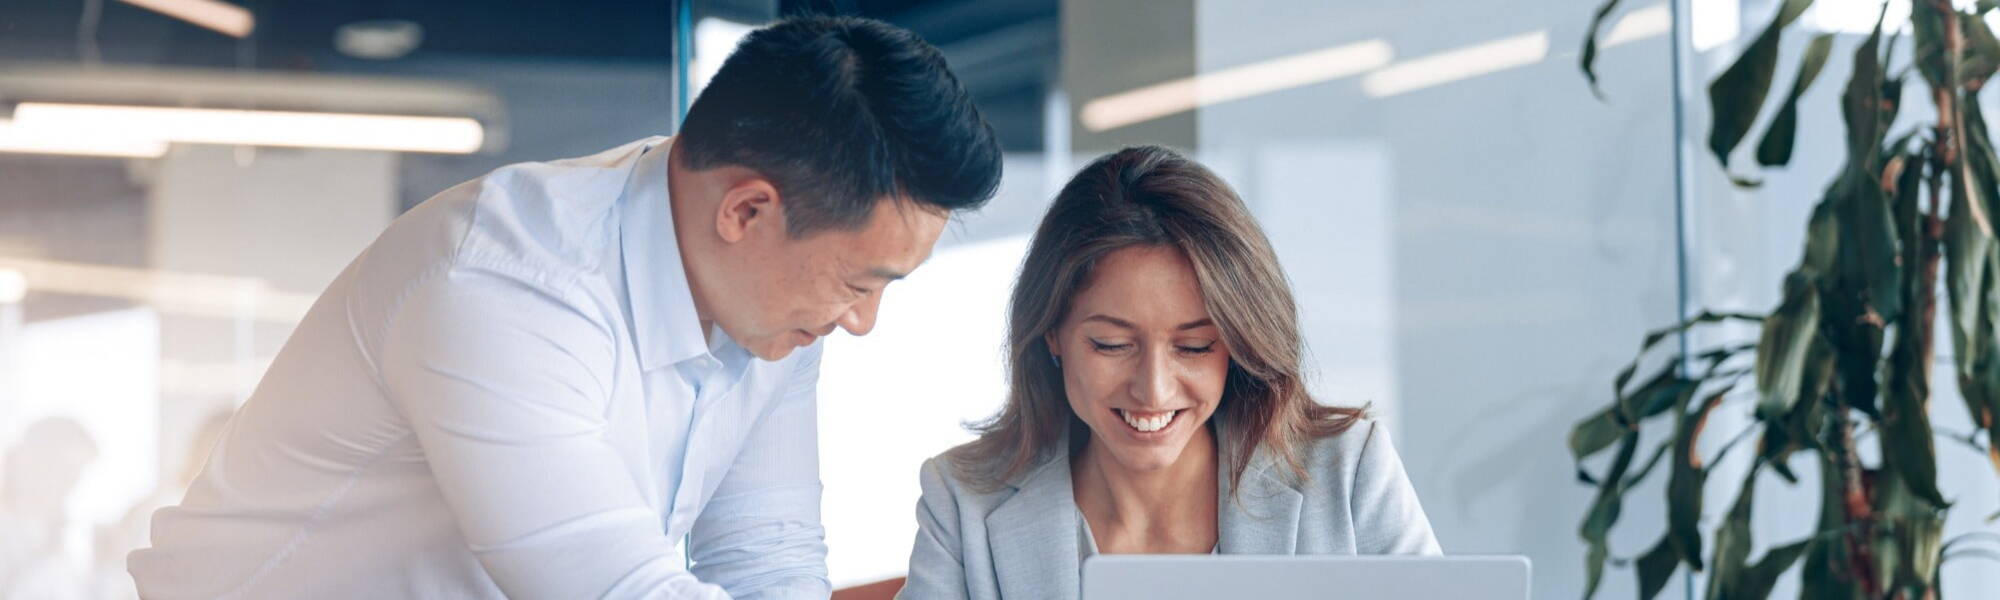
point(1324, 577)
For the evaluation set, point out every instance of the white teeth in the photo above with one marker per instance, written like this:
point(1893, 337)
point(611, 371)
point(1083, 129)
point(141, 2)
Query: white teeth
point(1149, 424)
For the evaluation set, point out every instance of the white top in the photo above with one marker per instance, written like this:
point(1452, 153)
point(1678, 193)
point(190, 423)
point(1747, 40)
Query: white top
point(480, 405)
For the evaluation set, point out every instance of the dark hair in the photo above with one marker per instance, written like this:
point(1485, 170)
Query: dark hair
point(839, 113)
point(1151, 196)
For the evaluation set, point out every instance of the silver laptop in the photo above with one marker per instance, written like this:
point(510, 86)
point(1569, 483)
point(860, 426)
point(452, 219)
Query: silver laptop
point(1192, 577)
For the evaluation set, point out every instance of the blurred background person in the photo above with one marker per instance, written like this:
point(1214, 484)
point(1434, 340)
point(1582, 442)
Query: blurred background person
point(41, 469)
point(116, 540)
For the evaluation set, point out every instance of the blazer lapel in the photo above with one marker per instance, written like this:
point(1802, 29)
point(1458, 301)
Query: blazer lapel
point(1264, 517)
point(1033, 534)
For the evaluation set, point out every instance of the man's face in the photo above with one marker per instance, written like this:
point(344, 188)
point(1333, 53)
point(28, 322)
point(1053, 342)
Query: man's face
point(797, 290)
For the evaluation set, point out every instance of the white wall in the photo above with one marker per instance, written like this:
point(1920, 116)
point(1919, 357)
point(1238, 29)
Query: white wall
point(1477, 257)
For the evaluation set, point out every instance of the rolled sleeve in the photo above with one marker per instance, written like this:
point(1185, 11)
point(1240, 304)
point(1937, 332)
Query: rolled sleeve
point(504, 382)
point(760, 536)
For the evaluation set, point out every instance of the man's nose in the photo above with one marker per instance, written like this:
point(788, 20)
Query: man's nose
point(860, 318)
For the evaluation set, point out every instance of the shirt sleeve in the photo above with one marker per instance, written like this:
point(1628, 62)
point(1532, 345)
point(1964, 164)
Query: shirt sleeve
point(1387, 517)
point(505, 381)
point(937, 571)
point(760, 535)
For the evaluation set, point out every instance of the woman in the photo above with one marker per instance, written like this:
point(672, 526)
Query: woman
point(1156, 405)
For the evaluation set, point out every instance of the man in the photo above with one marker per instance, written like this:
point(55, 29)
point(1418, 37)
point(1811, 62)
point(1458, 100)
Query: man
point(539, 383)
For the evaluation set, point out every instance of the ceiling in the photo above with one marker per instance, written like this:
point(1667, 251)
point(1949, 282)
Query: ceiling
point(1003, 50)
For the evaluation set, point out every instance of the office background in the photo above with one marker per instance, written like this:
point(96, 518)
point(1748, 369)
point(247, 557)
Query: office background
point(1477, 241)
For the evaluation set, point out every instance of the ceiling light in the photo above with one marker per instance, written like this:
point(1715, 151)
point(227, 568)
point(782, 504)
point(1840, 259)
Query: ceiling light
point(223, 17)
point(448, 135)
point(1453, 65)
point(18, 138)
point(1234, 83)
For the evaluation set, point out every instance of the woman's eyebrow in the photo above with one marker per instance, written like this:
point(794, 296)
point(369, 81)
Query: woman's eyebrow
point(1196, 324)
point(1112, 320)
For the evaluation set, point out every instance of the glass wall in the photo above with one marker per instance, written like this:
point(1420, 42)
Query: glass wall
point(145, 285)
point(1477, 241)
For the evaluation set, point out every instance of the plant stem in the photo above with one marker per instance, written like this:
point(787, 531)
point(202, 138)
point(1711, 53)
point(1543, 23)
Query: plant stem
point(1854, 503)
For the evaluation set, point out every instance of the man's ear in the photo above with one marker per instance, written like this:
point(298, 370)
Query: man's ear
point(749, 204)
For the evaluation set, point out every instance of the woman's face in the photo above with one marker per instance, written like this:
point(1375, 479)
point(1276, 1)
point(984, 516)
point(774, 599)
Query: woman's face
point(1142, 363)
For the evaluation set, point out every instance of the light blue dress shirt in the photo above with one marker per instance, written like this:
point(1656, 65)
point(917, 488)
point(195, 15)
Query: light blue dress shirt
point(509, 392)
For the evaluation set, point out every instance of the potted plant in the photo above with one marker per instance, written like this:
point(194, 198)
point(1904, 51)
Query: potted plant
point(1844, 360)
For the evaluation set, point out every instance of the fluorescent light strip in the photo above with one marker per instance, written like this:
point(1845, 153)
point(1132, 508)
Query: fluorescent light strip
point(1640, 24)
point(447, 135)
point(1454, 65)
point(1234, 83)
point(191, 294)
point(18, 138)
point(13, 286)
point(223, 17)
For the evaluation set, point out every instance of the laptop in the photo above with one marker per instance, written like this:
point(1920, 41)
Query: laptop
point(1195, 576)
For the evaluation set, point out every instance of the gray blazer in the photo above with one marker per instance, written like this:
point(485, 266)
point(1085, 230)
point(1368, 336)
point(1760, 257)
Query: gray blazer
point(1020, 541)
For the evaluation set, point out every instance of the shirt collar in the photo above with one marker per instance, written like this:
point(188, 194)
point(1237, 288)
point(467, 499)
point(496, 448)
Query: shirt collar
point(665, 327)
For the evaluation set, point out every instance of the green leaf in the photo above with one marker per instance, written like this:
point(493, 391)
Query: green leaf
point(1827, 574)
point(1685, 480)
point(1655, 567)
point(1776, 147)
point(1798, 427)
point(1600, 430)
point(1862, 106)
point(1594, 567)
point(1908, 443)
point(1732, 543)
point(1968, 244)
point(1737, 95)
point(1781, 350)
point(1589, 61)
point(1871, 248)
point(1972, 283)
point(1603, 429)
point(1757, 581)
point(1822, 242)
point(1654, 337)
point(1658, 395)
point(1910, 536)
point(1927, 24)
point(1604, 513)
point(1594, 434)
point(1734, 575)
point(1908, 446)
point(1652, 460)
point(1982, 52)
